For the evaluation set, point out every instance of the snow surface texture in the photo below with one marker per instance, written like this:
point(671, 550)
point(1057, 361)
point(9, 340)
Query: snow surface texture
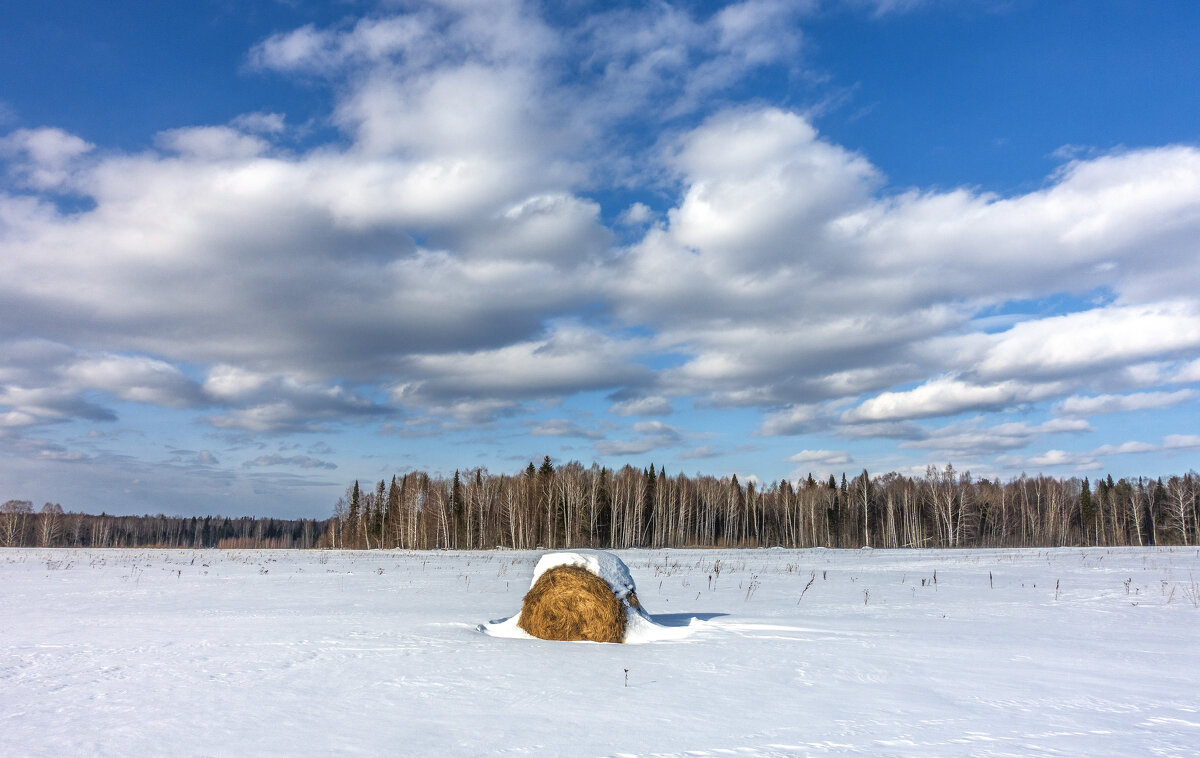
point(639, 625)
point(788, 653)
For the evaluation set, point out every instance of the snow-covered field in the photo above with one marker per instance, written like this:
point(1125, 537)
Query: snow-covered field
point(915, 653)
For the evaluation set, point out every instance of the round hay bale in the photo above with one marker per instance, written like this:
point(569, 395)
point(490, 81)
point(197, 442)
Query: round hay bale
point(572, 603)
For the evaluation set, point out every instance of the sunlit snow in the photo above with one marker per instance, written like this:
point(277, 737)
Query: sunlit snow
point(774, 652)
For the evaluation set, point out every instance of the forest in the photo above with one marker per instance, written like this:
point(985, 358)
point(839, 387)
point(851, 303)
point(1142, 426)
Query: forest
point(22, 526)
point(576, 506)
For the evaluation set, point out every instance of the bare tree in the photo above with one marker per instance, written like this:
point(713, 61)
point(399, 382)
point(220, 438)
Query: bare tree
point(13, 515)
point(50, 524)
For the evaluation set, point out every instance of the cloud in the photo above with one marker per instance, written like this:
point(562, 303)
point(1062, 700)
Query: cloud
point(821, 458)
point(1090, 460)
point(800, 419)
point(722, 278)
point(194, 458)
point(324, 241)
point(662, 61)
point(277, 404)
point(313, 51)
point(881, 8)
point(946, 396)
point(49, 383)
point(636, 446)
point(1077, 405)
point(1181, 441)
point(652, 435)
point(757, 176)
point(1048, 356)
point(1169, 442)
point(561, 427)
point(29, 406)
point(298, 461)
point(974, 438)
point(135, 379)
point(260, 122)
point(896, 430)
point(497, 33)
point(63, 455)
point(1188, 373)
point(651, 405)
point(444, 260)
point(637, 214)
point(1057, 458)
point(700, 453)
point(339, 286)
point(46, 146)
point(1097, 338)
point(43, 158)
point(324, 298)
point(211, 143)
point(1125, 448)
point(568, 360)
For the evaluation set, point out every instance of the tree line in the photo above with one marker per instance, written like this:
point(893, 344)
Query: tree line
point(576, 506)
point(51, 526)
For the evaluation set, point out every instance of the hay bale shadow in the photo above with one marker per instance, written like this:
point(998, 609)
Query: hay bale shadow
point(683, 619)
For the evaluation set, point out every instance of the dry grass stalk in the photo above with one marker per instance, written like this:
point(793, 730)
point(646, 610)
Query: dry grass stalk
point(572, 603)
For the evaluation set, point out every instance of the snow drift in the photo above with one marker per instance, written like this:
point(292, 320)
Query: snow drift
point(581, 596)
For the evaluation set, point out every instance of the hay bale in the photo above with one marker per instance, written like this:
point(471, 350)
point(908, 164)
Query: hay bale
point(571, 603)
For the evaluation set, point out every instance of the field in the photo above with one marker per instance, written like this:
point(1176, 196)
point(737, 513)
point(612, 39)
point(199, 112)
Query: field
point(768, 652)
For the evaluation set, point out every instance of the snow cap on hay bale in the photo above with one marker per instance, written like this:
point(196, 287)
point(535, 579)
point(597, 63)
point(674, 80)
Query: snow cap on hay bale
point(584, 595)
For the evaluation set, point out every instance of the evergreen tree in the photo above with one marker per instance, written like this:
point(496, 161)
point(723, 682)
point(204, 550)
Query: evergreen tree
point(391, 514)
point(456, 508)
point(831, 511)
point(378, 509)
point(1087, 511)
point(545, 477)
point(648, 493)
point(604, 510)
point(1158, 508)
point(352, 517)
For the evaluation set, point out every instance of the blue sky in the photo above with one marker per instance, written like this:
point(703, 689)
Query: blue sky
point(252, 252)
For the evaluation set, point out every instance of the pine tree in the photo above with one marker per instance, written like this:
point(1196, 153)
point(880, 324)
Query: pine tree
point(456, 507)
point(378, 509)
point(1158, 503)
point(391, 514)
point(1087, 511)
point(865, 494)
point(648, 493)
point(832, 517)
point(352, 517)
point(545, 476)
point(604, 511)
